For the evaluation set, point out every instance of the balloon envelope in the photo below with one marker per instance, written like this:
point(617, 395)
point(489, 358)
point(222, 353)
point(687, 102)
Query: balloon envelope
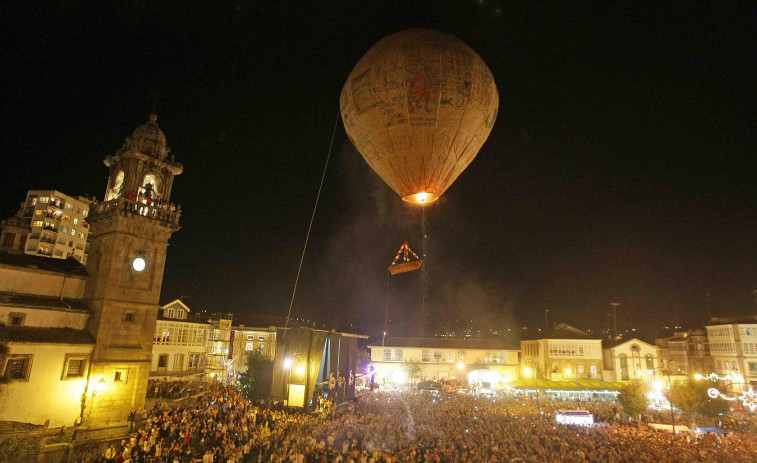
point(418, 106)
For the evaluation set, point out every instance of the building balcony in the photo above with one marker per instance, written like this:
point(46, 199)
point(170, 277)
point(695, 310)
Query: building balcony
point(167, 213)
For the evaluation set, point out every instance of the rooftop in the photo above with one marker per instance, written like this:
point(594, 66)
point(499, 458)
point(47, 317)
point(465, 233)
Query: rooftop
point(446, 343)
point(563, 331)
point(30, 301)
point(36, 335)
point(65, 266)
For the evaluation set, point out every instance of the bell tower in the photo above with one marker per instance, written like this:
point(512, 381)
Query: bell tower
point(130, 230)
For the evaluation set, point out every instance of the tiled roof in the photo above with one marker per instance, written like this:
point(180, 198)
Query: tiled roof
point(68, 266)
point(563, 331)
point(32, 301)
point(446, 343)
point(38, 335)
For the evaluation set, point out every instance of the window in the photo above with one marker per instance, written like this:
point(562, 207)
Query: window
point(121, 375)
point(37, 223)
point(250, 337)
point(59, 253)
point(129, 317)
point(180, 314)
point(66, 218)
point(261, 338)
point(261, 347)
point(580, 368)
point(162, 360)
point(178, 362)
point(753, 367)
point(16, 319)
point(64, 229)
point(593, 369)
point(69, 206)
point(393, 355)
point(248, 347)
point(39, 212)
point(426, 355)
point(73, 232)
point(169, 313)
point(650, 362)
point(43, 199)
point(17, 367)
point(75, 366)
point(194, 361)
point(8, 239)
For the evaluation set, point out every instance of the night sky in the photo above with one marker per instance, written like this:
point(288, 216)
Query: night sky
point(621, 167)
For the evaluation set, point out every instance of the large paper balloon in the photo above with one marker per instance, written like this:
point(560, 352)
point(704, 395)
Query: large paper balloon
point(418, 106)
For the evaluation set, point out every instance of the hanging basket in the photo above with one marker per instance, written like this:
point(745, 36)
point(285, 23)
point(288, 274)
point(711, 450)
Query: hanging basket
point(405, 260)
point(405, 267)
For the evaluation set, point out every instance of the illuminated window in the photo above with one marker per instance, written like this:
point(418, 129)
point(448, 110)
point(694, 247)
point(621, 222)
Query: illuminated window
point(64, 229)
point(593, 369)
point(37, 223)
point(76, 221)
point(43, 199)
point(249, 346)
point(17, 367)
point(73, 232)
point(66, 218)
point(69, 206)
point(39, 212)
point(75, 366)
point(261, 338)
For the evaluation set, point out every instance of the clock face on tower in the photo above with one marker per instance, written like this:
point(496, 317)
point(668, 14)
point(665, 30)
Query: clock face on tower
point(138, 264)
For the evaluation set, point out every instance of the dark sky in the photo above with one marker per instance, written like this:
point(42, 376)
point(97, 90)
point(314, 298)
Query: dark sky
point(621, 167)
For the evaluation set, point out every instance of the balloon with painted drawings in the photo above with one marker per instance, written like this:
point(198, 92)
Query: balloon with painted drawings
point(418, 107)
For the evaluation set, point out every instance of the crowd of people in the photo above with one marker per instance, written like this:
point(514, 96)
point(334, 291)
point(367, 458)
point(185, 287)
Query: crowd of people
point(412, 426)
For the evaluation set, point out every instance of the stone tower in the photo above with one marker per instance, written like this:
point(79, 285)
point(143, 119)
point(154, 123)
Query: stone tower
point(130, 232)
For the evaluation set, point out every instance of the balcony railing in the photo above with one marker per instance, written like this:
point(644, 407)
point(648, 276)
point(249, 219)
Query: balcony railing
point(166, 213)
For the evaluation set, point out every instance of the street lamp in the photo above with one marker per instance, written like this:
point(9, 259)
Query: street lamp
point(670, 393)
point(527, 372)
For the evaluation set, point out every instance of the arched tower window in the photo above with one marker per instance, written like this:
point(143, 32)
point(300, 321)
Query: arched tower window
point(116, 187)
point(151, 186)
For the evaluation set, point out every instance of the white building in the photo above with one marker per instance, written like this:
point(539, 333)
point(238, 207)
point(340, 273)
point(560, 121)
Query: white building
point(733, 347)
point(565, 353)
point(43, 319)
point(56, 226)
point(180, 344)
point(443, 358)
point(627, 360)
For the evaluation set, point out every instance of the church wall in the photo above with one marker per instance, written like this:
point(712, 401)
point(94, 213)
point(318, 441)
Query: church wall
point(120, 387)
point(73, 319)
point(40, 282)
point(46, 395)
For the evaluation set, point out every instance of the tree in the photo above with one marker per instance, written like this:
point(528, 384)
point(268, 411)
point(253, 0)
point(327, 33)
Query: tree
point(255, 383)
point(412, 369)
point(633, 399)
point(692, 399)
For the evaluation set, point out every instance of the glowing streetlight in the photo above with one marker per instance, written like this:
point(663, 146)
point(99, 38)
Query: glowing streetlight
point(460, 365)
point(300, 370)
point(287, 363)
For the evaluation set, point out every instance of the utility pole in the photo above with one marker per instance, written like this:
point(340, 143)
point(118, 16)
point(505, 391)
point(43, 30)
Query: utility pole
point(614, 319)
point(709, 307)
point(546, 317)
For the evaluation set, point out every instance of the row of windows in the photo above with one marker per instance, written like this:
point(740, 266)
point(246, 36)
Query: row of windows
point(178, 362)
point(176, 313)
point(19, 367)
point(180, 336)
point(531, 349)
point(719, 333)
point(393, 355)
point(722, 347)
point(750, 348)
point(749, 331)
point(32, 200)
point(573, 349)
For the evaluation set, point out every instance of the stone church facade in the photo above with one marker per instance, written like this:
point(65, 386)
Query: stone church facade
point(81, 336)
